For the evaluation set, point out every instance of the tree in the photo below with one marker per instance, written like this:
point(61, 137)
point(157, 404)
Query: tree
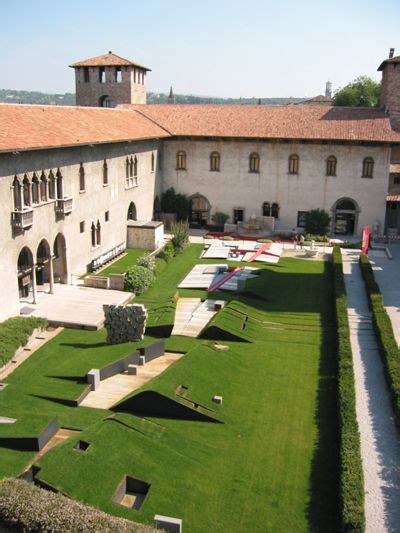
point(172, 202)
point(362, 92)
point(317, 222)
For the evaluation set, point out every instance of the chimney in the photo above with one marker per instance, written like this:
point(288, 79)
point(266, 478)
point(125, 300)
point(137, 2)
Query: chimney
point(391, 53)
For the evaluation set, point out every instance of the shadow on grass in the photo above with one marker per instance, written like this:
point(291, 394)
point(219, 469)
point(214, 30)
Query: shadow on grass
point(323, 509)
point(60, 401)
point(154, 404)
point(76, 379)
point(83, 346)
point(160, 332)
point(22, 444)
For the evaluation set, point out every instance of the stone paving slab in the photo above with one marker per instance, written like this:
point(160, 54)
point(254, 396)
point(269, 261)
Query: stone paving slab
point(192, 315)
point(75, 305)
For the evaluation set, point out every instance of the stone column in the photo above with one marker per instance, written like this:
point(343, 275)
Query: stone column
point(34, 288)
point(51, 274)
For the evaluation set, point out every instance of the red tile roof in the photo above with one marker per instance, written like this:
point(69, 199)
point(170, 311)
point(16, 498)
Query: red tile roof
point(314, 122)
point(25, 127)
point(395, 59)
point(107, 60)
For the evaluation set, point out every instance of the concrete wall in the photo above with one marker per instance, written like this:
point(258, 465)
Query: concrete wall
point(234, 187)
point(89, 206)
point(146, 237)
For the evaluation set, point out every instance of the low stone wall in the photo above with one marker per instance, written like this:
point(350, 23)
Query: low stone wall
point(48, 432)
point(98, 282)
point(116, 281)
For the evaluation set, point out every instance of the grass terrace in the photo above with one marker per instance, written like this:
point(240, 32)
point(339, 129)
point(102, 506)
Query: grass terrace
point(266, 459)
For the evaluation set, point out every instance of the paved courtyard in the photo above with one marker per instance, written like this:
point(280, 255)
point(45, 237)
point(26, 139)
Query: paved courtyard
point(74, 305)
point(387, 274)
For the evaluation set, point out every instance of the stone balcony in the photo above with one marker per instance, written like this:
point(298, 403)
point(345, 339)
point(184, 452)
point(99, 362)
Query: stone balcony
point(64, 206)
point(22, 219)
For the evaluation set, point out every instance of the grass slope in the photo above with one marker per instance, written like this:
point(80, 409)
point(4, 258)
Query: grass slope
point(272, 464)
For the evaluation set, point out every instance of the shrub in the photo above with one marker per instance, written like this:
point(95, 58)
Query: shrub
point(219, 218)
point(316, 238)
point(172, 202)
point(168, 252)
point(317, 222)
point(388, 349)
point(180, 240)
point(30, 508)
point(138, 279)
point(15, 332)
point(351, 478)
point(147, 261)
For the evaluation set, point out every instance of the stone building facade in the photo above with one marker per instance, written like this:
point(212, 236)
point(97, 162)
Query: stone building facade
point(71, 178)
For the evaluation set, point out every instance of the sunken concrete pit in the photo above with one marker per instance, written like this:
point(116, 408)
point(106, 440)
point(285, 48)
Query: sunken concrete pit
point(81, 445)
point(131, 492)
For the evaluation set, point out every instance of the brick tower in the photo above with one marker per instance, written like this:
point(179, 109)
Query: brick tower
point(390, 88)
point(109, 80)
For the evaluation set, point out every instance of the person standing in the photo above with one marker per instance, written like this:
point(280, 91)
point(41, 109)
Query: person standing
point(301, 241)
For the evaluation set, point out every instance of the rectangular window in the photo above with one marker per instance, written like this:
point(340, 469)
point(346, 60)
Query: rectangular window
point(82, 227)
point(102, 75)
point(396, 180)
point(107, 216)
point(238, 215)
point(118, 75)
point(301, 219)
point(86, 74)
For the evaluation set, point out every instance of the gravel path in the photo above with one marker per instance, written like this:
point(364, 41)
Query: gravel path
point(380, 441)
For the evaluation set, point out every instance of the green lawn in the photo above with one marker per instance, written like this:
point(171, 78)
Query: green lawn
point(268, 461)
point(123, 264)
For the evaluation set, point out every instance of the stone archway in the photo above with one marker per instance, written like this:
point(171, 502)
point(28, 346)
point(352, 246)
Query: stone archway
point(132, 213)
point(44, 265)
point(25, 274)
point(60, 259)
point(199, 210)
point(345, 213)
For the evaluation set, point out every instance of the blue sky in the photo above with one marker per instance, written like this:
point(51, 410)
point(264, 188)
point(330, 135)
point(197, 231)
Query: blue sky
point(213, 48)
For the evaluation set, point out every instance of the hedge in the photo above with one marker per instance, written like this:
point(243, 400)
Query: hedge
point(388, 349)
point(351, 477)
point(15, 332)
point(29, 508)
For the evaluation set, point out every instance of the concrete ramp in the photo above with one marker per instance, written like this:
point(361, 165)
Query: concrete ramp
point(192, 315)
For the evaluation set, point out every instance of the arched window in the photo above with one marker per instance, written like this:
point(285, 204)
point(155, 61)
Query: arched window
point(345, 205)
point(43, 188)
point(331, 163)
point(294, 164)
point(81, 178)
point(60, 191)
point(93, 234)
point(275, 210)
point(368, 168)
point(52, 186)
point(98, 233)
point(215, 162)
point(35, 189)
point(17, 194)
point(135, 167)
point(132, 215)
point(266, 209)
point(105, 173)
point(254, 162)
point(181, 160)
point(131, 167)
point(27, 191)
point(152, 161)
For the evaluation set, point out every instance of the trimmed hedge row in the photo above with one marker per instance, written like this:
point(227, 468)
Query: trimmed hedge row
point(352, 478)
point(15, 332)
point(30, 508)
point(388, 349)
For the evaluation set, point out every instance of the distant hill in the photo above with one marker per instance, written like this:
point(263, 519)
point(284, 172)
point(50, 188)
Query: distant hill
point(10, 96)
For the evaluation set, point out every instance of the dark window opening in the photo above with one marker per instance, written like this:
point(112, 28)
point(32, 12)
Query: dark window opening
point(181, 160)
point(331, 163)
point(81, 178)
point(254, 163)
point(215, 162)
point(105, 173)
point(86, 74)
point(301, 219)
point(294, 164)
point(368, 168)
